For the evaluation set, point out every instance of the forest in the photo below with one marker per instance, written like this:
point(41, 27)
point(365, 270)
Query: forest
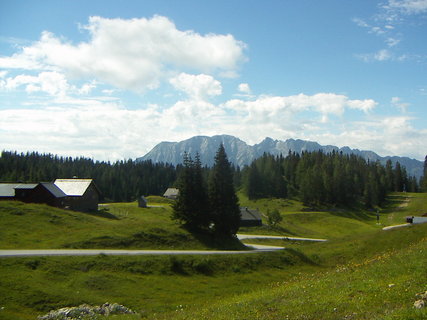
point(330, 179)
point(314, 177)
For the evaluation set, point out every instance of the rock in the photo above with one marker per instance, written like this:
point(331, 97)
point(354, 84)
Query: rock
point(86, 311)
point(419, 304)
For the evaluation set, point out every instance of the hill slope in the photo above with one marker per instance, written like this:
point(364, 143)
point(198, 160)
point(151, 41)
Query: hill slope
point(241, 154)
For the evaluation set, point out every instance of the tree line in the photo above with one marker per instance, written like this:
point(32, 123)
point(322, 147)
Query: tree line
point(314, 177)
point(118, 181)
point(325, 178)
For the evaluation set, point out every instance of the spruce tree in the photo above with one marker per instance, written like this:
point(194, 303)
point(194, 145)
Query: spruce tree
point(182, 208)
point(423, 181)
point(224, 205)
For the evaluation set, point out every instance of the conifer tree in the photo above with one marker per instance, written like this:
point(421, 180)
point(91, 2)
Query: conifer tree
point(223, 201)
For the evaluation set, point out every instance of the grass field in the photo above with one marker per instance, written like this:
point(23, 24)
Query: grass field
point(115, 225)
point(361, 273)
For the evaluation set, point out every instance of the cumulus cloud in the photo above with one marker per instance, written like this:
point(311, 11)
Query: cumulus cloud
point(271, 107)
point(244, 88)
point(50, 82)
point(130, 54)
point(197, 86)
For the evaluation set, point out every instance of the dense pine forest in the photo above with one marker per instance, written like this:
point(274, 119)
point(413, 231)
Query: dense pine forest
point(332, 179)
point(314, 177)
point(118, 181)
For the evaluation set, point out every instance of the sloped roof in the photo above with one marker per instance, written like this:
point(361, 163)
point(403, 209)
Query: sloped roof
point(171, 192)
point(249, 214)
point(53, 189)
point(28, 186)
point(73, 187)
point(7, 189)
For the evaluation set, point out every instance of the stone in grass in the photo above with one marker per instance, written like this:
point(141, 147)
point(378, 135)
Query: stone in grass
point(419, 304)
point(86, 311)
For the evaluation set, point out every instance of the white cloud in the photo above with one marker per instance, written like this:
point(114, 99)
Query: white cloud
point(391, 42)
point(131, 54)
point(270, 108)
point(399, 104)
point(197, 86)
point(407, 6)
point(244, 88)
point(381, 55)
point(50, 82)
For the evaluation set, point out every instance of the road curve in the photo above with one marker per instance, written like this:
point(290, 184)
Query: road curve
point(256, 248)
point(258, 236)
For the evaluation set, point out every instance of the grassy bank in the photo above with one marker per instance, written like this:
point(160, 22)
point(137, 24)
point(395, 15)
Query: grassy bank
point(114, 226)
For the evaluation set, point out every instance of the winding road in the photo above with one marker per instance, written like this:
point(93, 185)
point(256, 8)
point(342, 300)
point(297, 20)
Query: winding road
point(117, 252)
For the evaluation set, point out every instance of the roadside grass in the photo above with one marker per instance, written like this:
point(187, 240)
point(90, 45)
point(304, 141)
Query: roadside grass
point(146, 284)
point(116, 225)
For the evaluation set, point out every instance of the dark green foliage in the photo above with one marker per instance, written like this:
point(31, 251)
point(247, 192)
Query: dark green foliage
point(423, 180)
point(120, 181)
point(273, 217)
point(214, 209)
point(191, 207)
point(223, 201)
point(325, 179)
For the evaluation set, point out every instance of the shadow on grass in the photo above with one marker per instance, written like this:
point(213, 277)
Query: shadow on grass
point(218, 242)
point(103, 213)
point(301, 256)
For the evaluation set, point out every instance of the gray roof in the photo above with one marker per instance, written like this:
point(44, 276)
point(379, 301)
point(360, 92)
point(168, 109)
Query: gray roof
point(249, 214)
point(28, 186)
point(73, 187)
point(53, 189)
point(7, 189)
point(170, 192)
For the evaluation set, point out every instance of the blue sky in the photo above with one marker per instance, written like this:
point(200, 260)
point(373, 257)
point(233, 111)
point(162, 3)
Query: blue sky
point(109, 80)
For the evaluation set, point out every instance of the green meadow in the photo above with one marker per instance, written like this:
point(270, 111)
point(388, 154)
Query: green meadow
point(362, 272)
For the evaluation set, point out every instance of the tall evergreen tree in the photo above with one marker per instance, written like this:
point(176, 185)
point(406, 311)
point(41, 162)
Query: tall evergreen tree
point(222, 196)
point(424, 178)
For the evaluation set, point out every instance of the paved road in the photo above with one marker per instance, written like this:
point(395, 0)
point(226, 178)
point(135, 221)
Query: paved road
point(94, 252)
point(257, 236)
point(397, 226)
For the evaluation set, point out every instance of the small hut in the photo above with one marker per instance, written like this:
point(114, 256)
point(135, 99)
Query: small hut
point(171, 193)
point(142, 202)
point(250, 217)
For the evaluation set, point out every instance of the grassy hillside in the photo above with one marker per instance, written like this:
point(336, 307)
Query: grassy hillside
point(334, 223)
point(117, 225)
point(381, 283)
point(361, 273)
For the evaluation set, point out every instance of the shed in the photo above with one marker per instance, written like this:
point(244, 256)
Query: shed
point(25, 191)
point(43, 192)
point(7, 191)
point(142, 202)
point(250, 217)
point(171, 193)
point(80, 194)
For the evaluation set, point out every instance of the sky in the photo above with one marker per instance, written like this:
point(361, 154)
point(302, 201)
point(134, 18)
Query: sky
point(110, 79)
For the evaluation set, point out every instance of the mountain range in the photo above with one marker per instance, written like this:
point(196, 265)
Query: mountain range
point(240, 153)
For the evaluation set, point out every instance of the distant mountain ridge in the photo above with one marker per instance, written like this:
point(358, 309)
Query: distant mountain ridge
point(241, 154)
